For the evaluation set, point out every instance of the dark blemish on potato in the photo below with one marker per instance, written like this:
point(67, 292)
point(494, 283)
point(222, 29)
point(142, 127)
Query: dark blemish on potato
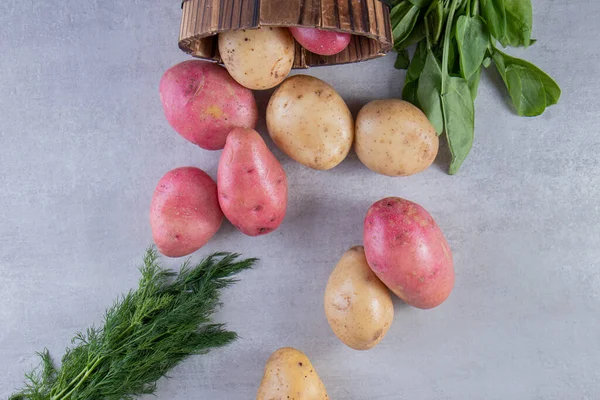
point(272, 219)
point(377, 334)
point(300, 96)
point(176, 237)
point(270, 29)
point(263, 230)
point(258, 208)
point(250, 170)
point(318, 92)
point(299, 363)
point(246, 39)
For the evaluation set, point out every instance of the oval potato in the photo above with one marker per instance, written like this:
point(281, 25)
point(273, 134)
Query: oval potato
point(185, 212)
point(409, 253)
point(252, 184)
point(289, 375)
point(395, 138)
point(203, 103)
point(258, 58)
point(358, 305)
point(321, 41)
point(309, 121)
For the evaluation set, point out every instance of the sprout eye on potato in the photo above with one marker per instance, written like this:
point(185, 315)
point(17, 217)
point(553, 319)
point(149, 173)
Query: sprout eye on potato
point(395, 138)
point(258, 58)
point(309, 121)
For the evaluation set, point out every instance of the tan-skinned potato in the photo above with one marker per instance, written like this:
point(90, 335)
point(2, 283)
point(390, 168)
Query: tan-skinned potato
point(358, 305)
point(395, 138)
point(258, 58)
point(309, 121)
point(288, 375)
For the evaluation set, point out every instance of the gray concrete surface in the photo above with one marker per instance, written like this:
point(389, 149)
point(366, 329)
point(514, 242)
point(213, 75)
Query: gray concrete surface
point(83, 142)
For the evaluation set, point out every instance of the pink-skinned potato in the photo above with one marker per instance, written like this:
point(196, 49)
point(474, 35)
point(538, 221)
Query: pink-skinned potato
point(320, 41)
point(185, 212)
point(408, 252)
point(252, 184)
point(203, 103)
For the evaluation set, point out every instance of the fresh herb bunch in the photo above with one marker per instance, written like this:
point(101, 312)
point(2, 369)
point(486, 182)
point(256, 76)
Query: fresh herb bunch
point(454, 40)
point(146, 333)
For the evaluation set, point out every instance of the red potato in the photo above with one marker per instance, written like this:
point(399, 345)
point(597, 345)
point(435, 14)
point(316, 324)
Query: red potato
point(319, 41)
point(252, 184)
point(185, 212)
point(408, 252)
point(203, 103)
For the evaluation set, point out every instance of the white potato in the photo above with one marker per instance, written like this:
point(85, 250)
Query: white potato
point(309, 121)
point(358, 305)
point(258, 58)
point(395, 138)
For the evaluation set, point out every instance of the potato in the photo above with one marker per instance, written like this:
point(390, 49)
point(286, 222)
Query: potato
point(185, 212)
point(252, 184)
point(258, 58)
point(308, 120)
point(289, 375)
point(320, 41)
point(394, 138)
point(358, 305)
point(203, 103)
point(408, 252)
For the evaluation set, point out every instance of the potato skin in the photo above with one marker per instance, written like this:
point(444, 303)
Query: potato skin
point(309, 121)
point(408, 252)
point(320, 41)
point(252, 184)
point(203, 103)
point(358, 305)
point(185, 212)
point(395, 138)
point(258, 58)
point(289, 375)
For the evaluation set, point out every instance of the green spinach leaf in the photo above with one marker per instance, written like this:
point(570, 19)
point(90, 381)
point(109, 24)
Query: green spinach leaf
point(494, 13)
point(473, 82)
point(417, 34)
point(459, 120)
point(421, 3)
point(402, 60)
point(404, 18)
point(472, 38)
point(519, 21)
point(411, 82)
point(434, 20)
point(552, 91)
point(526, 90)
point(429, 92)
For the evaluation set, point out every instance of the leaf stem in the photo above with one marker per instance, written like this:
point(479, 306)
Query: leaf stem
point(447, 38)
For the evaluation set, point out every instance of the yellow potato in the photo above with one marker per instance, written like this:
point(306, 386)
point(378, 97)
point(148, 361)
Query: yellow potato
point(358, 305)
point(258, 58)
point(309, 121)
point(289, 375)
point(395, 138)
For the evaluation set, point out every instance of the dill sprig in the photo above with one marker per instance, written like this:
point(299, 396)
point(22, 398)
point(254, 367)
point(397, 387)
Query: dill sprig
point(146, 333)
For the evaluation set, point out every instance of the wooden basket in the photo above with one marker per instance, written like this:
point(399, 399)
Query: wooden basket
point(367, 20)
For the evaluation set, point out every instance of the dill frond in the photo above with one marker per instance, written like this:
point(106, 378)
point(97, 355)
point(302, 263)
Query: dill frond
point(145, 333)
